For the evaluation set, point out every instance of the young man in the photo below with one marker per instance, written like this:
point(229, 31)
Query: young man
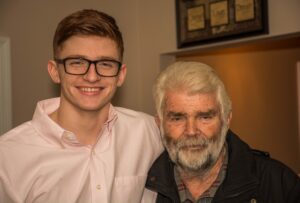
point(204, 161)
point(79, 148)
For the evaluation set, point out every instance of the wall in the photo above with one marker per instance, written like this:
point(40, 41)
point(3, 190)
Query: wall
point(262, 86)
point(262, 83)
point(149, 29)
point(30, 25)
point(282, 20)
point(157, 39)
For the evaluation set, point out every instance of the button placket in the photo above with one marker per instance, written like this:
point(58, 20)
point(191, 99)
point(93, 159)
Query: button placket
point(97, 178)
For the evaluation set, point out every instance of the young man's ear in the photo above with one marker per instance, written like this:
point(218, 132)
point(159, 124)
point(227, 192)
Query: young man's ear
point(122, 75)
point(53, 71)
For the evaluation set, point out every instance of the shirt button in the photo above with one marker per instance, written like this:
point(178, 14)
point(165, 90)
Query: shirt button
point(98, 187)
point(68, 137)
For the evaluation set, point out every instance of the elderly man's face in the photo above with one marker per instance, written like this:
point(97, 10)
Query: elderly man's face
point(192, 126)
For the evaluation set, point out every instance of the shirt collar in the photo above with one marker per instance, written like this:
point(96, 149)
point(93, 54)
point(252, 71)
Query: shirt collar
point(54, 133)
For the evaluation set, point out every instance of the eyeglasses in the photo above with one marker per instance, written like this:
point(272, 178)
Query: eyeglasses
point(80, 66)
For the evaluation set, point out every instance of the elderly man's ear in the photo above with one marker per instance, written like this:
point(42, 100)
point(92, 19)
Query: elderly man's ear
point(229, 118)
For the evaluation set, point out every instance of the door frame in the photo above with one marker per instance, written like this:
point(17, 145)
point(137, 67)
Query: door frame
point(5, 85)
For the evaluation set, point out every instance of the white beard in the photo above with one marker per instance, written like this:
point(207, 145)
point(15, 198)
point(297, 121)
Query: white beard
point(195, 154)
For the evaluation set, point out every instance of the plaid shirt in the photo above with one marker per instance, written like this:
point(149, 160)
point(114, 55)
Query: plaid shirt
point(207, 196)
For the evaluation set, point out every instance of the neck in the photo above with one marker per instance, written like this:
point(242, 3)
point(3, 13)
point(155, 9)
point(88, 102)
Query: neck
point(198, 184)
point(86, 125)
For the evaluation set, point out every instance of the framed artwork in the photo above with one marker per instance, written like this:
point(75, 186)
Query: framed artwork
point(204, 21)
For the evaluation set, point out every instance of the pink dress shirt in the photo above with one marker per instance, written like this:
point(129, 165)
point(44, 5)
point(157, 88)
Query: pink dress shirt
point(40, 162)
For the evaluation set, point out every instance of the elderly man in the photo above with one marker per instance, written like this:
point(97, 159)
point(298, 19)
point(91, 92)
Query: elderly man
point(204, 161)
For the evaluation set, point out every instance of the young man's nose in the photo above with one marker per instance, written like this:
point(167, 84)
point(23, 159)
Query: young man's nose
point(92, 75)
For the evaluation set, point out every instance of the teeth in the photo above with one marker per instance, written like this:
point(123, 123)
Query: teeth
point(89, 89)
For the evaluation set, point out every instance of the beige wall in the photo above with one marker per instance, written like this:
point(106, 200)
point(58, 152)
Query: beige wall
point(261, 82)
point(149, 29)
point(262, 86)
point(30, 26)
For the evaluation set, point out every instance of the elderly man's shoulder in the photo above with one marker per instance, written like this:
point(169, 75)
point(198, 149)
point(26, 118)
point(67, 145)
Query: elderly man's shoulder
point(272, 167)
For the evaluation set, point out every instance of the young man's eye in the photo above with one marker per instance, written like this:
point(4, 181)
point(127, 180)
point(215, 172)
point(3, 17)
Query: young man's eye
point(106, 64)
point(75, 62)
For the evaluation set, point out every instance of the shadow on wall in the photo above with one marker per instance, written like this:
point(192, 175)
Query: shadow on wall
point(55, 90)
point(117, 99)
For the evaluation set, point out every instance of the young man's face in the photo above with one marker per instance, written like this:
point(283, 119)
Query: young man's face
point(192, 127)
point(89, 92)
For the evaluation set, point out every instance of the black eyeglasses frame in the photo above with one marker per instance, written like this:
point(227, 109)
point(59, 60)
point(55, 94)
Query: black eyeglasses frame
point(63, 61)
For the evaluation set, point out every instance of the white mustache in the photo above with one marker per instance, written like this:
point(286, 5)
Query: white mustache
point(192, 142)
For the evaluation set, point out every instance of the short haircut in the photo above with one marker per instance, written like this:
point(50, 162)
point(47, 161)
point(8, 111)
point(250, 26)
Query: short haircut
point(87, 22)
point(193, 77)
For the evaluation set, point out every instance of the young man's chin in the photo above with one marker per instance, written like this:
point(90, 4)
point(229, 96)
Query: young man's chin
point(92, 107)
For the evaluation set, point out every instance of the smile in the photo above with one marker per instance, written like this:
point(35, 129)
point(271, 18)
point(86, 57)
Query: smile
point(90, 89)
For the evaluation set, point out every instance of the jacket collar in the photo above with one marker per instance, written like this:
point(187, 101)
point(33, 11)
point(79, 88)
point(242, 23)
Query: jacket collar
point(161, 177)
point(241, 175)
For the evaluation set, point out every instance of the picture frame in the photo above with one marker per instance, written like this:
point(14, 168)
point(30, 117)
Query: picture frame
point(205, 21)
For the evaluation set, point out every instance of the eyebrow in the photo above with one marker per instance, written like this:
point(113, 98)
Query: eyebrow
point(175, 114)
point(86, 57)
point(211, 112)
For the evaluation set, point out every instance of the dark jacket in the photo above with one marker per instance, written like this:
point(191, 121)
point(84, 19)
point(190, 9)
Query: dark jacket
point(252, 176)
